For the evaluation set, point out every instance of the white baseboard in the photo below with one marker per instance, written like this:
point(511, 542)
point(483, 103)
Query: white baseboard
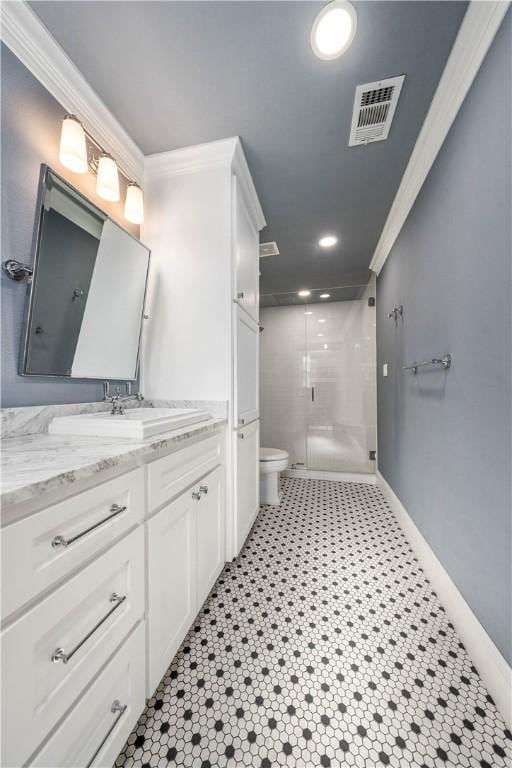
point(492, 667)
point(343, 477)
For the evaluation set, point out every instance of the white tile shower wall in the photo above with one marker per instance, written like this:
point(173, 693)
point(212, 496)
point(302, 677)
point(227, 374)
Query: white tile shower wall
point(331, 348)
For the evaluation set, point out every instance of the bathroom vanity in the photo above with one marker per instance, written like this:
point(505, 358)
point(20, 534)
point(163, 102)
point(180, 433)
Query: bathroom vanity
point(108, 552)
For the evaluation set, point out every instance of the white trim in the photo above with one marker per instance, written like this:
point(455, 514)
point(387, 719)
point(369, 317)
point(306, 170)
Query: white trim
point(30, 41)
point(340, 477)
point(224, 153)
point(474, 38)
point(492, 667)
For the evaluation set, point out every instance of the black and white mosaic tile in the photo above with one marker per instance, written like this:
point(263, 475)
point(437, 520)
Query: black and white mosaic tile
point(322, 645)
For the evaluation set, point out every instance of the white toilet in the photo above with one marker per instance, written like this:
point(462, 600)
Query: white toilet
point(273, 461)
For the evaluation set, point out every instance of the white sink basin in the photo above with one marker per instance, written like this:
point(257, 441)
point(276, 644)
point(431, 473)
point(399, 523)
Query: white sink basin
point(134, 422)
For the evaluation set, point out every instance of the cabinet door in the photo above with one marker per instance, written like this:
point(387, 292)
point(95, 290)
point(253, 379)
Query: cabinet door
point(246, 452)
point(172, 583)
point(246, 248)
point(246, 369)
point(210, 532)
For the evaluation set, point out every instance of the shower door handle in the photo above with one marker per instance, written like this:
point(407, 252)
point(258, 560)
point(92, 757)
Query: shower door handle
point(312, 394)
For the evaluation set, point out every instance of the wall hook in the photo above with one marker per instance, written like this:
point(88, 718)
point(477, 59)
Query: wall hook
point(396, 312)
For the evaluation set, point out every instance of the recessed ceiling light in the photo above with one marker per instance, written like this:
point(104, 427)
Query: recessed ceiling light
point(303, 294)
point(333, 29)
point(325, 295)
point(328, 241)
point(321, 319)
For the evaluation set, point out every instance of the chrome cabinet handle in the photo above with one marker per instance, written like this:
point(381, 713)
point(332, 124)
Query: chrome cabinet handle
point(241, 422)
point(241, 435)
point(196, 495)
point(60, 654)
point(203, 489)
point(116, 709)
point(60, 541)
point(240, 295)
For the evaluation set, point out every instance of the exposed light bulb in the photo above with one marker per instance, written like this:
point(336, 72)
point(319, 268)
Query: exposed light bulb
point(333, 29)
point(107, 182)
point(134, 204)
point(73, 148)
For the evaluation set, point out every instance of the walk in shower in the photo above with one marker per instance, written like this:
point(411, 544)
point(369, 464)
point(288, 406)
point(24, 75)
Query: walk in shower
point(318, 384)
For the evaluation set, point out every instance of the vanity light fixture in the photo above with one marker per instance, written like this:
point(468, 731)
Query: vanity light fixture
point(325, 295)
point(73, 149)
point(73, 155)
point(134, 204)
point(303, 294)
point(328, 241)
point(107, 180)
point(333, 29)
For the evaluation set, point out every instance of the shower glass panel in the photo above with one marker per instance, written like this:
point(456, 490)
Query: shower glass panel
point(318, 384)
point(284, 389)
point(340, 338)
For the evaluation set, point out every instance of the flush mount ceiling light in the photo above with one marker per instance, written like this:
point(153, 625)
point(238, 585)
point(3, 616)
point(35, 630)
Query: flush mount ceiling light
point(333, 29)
point(328, 241)
point(325, 295)
point(303, 294)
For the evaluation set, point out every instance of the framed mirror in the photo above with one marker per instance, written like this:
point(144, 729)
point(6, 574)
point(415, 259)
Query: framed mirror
point(85, 305)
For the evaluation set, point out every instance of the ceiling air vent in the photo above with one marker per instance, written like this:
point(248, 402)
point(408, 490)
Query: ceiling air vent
point(269, 249)
point(374, 107)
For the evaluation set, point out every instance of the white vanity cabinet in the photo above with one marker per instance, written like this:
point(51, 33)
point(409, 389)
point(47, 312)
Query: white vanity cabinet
point(246, 462)
point(246, 248)
point(185, 546)
point(246, 370)
point(90, 626)
point(203, 208)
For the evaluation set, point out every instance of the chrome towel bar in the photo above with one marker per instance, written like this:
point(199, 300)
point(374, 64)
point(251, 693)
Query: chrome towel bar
point(445, 362)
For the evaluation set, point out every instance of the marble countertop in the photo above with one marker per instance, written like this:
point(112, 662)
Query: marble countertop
point(37, 463)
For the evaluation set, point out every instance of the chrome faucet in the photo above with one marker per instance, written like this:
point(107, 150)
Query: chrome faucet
point(117, 400)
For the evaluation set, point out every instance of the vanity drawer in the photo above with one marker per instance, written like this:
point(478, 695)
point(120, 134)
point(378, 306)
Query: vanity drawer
point(52, 652)
point(95, 731)
point(41, 549)
point(168, 476)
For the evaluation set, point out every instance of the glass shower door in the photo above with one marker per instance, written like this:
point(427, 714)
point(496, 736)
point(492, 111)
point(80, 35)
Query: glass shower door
point(340, 340)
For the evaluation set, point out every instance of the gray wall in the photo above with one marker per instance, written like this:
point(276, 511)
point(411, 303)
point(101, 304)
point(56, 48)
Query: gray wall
point(30, 135)
point(444, 439)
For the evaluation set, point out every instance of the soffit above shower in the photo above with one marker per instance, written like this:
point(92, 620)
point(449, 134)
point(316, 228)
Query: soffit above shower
point(340, 293)
point(247, 69)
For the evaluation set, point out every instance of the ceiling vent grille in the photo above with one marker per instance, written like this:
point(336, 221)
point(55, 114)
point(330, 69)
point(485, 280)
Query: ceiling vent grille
point(269, 249)
point(374, 107)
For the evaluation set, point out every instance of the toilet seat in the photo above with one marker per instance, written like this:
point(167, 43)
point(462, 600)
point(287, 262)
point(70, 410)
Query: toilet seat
point(273, 454)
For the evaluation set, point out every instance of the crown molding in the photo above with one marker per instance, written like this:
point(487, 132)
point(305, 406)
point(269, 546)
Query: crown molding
point(476, 33)
point(34, 46)
point(224, 153)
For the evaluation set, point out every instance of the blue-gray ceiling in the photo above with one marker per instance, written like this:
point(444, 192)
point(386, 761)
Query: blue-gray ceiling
point(181, 73)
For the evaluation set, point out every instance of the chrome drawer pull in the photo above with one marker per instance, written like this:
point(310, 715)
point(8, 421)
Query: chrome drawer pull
point(116, 709)
point(59, 654)
point(203, 489)
point(196, 495)
point(240, 435)
point(60, 541)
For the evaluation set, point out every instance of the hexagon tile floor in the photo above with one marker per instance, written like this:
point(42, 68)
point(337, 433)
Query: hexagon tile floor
point(322, 645)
